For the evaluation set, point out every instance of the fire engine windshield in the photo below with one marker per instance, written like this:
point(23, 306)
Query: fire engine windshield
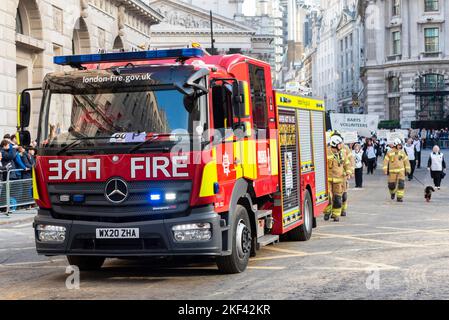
point(103, 108)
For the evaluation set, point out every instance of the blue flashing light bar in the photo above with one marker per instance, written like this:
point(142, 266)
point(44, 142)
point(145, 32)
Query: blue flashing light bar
point(78, 60)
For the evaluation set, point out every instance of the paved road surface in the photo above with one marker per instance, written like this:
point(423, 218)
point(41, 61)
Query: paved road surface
point(382, 250)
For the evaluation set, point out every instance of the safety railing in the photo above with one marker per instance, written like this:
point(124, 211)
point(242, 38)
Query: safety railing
point(15, 191)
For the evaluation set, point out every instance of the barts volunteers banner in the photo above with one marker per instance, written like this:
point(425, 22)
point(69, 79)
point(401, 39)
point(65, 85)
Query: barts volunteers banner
point(362, 123)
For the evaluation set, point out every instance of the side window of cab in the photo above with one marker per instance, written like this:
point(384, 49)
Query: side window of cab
point(258, 98)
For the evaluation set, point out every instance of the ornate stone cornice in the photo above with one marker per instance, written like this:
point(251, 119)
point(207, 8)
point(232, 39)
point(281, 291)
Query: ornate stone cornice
point(177, 12)
point(139, 8)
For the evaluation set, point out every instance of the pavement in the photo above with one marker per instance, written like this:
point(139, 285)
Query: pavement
point(381, 250)
point(20, 216)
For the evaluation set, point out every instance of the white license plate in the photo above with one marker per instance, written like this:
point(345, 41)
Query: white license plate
point(117, 233)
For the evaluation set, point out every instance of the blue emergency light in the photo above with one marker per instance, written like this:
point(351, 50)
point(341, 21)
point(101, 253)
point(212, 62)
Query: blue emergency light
point(78, 60)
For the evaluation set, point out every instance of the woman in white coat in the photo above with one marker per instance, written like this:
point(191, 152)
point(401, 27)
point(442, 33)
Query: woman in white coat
point(437, 166)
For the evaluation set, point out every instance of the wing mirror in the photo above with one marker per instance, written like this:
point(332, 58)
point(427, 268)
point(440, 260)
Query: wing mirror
point(25, 109)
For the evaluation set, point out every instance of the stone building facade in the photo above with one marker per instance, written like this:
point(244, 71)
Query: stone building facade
point(349, 36)
point(32, 32)
point(407, 59)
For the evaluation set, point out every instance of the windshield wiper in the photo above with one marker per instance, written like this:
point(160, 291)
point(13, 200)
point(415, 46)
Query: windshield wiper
point(77, 142)
point(156, 136)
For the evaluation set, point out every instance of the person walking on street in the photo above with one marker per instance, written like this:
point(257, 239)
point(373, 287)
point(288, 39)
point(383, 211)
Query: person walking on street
point(396, 166)
point(437, 166)
point(339, 169)
point(410, 149)
point(418, 144)
point(371, 157)
point(357, 154)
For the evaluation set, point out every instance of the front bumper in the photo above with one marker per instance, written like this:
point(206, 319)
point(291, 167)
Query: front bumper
point(155, 237)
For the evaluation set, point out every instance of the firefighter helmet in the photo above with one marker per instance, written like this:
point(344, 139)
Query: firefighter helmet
point(397, 142)
point(335, 141)
point(336, 133)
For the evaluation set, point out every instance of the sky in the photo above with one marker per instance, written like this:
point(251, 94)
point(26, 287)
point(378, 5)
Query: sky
point(249, 6)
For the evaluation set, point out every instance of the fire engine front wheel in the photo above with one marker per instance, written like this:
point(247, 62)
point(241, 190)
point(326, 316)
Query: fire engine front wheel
point(304, 231)
point(86, 263)
point(241, 244)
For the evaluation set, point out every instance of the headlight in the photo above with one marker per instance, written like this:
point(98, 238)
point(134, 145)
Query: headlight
point(192, 232)
point(49, 233)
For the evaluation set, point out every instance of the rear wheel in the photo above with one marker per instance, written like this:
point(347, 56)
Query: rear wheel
point(237, 261)
point(304, 231)
point(86, 263)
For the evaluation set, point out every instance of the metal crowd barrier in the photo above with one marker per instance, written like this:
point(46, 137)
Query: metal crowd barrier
point(15, 193)
point(444, 144)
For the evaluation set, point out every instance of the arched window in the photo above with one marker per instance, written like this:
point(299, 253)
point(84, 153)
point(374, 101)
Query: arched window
point(19, 23)
point(118, 44)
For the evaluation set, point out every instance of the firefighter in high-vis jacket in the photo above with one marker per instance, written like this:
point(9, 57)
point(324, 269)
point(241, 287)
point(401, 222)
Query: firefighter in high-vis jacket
point(396, 166)
point(339, 169)
point(348, 153)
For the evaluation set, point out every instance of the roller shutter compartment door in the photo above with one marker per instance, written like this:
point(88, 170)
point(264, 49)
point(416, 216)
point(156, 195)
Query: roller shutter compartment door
point(319, 155)
point(305, 141)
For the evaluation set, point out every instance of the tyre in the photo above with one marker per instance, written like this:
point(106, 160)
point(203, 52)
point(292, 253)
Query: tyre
point(304, 231)
point(86, 263)
point(237, 261)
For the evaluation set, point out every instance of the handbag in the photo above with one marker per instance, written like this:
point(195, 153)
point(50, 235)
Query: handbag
point(443, 174)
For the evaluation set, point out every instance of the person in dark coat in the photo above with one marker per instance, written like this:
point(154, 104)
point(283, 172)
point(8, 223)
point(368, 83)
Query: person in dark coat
point(9, 155)
point(3, 169)
point(26, 160)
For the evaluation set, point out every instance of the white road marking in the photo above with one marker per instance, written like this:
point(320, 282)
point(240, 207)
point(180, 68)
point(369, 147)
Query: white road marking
point(431, 231)
point(29, 224)
point(17, 249)
point(30, 263)
point(351, 237)
point(369, 263)
point(361, 269)
point(14, 232)
point(265, 268)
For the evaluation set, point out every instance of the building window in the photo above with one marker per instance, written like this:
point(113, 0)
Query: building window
point(431, 5)
point(19, 24)
point(396, 8)
point(396, 43)
point(394, 108)
point(393, 85)
point(432, 40)
point(431, 82)
point(57, 19)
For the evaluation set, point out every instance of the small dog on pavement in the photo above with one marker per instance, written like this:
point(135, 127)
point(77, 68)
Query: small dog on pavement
point(428, 193)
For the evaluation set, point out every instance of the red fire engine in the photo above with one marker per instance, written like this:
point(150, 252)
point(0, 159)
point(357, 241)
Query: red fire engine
point(173, 152)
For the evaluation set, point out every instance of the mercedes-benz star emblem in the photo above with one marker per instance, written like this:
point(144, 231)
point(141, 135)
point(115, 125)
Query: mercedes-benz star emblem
point(116, 190)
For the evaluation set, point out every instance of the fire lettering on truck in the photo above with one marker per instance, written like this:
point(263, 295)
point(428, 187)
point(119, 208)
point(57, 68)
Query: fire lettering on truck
point(154, 167)
point(76, 167)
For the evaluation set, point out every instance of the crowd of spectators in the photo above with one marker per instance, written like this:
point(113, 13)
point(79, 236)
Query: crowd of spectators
point(16, 159)
point(432, 137)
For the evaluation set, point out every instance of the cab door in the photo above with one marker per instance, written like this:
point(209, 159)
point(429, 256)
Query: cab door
point(223, 142)
point(260, 96)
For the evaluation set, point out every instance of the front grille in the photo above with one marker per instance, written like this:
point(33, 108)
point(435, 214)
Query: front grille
point(137, 207)
point(148, 243)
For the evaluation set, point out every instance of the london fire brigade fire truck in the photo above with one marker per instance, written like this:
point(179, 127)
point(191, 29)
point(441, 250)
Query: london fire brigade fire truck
point(173, 152)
